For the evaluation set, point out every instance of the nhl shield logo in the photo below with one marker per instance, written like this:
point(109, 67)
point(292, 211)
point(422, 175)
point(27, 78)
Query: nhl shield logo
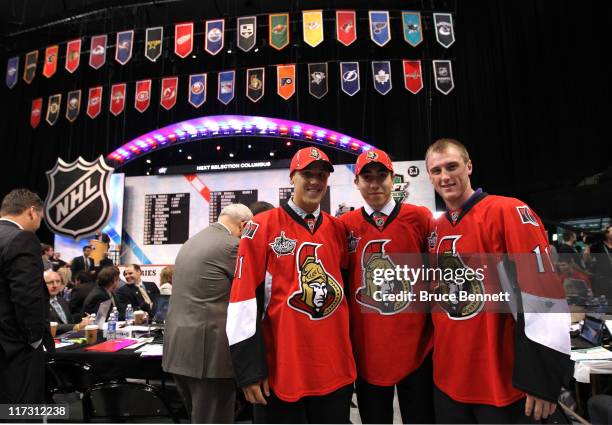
point(77, 202)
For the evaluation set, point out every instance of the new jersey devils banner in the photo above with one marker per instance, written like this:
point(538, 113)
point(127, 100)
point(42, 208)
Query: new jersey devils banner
point(225, 86)
point(285, 80)
point(312, 22)
point(94, 102)
point(77, 203)
point(317, 73)
point(349, 77)
point(73, 105)
point(73, 55)
point(445, 33)
point(197, 90)
point(153, 43)
point(142, 97)
point(50, 65)
point(278, 27)
point(183, 39)
point(379, 27)
point(413, 76)
point(411, 22)
point(12, 70)
point(169, 89)
point(255, 84)
point(246, 33)
point(29, 70)
point(213, 37)
point(117, 98)
point(346, 27)
point(53, 108)
point(443, 75)
point(123, 48)
point(36, 112)
point(97, 51)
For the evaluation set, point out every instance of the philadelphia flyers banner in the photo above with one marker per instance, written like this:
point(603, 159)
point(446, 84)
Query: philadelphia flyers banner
point(285, 81)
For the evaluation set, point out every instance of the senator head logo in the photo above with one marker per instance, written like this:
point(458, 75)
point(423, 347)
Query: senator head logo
point(319, 294)
point(77, 202)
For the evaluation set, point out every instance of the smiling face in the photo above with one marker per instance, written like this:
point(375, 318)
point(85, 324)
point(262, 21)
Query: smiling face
point(375, 183)
point(450, 176)
point(131, 275)
point(310, 186)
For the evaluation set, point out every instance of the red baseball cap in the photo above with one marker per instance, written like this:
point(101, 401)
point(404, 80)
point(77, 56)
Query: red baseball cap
point(373, 155)
point(304, 157)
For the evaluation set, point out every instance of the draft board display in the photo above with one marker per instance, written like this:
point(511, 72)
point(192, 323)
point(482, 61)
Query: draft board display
point(161, 212)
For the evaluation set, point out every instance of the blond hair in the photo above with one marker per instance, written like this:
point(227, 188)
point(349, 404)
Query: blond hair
point(441, 145)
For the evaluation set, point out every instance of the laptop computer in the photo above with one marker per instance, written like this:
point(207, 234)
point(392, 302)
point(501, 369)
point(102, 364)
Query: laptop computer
point(591, 333)
point(101, 315)
point(161, 308)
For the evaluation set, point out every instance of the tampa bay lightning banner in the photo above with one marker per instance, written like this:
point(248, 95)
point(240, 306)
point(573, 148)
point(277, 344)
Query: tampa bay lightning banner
point(225, 87)
point(379, 27)
point(197, 89)
point(349, 76)
point(12, 72)
point(381, 72)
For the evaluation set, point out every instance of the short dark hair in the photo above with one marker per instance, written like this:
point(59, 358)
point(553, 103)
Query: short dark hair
point(44, 248)
point(19, 200)
point(260, 206)
point(85, 247)
point(83, 277)
point(107, 276)
point(136, 267)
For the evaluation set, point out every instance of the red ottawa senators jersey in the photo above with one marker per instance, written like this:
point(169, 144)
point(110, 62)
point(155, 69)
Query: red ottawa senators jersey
point(288, 319)
point(390, 337)
point(481, 353)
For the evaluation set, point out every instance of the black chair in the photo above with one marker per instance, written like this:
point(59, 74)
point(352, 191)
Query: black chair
point(68, 376)
point(125, 402)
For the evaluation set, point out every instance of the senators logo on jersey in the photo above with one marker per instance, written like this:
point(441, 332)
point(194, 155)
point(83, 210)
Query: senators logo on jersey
point(450, 262)
point(319, 294)
point(375, 296)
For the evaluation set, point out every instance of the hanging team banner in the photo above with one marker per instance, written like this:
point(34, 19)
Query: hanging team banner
point(35, 112)
point(50, 65)
point(256, 78)
point(312, 23)
point(183, 39)
point(117, 98)
point(379, 27)
point(413, 76)
point(278, 24)
point(73, 55)
point(444, 28)
point(346, 26)
point(142, 96)
point(349, 77)
point(94, 102)
point(53, 108)
point(169, 90)
point(73, 105)
point(317, 85)
point(225, 86)
point(153, 43)
point(29, 70)
point(413, 33)
point(214, 40)
point(443, 75)
point(285, 80)
point(97, 51)
point(247, 32)
point(123, 48)
point(12, 71)
point(381, 72)
point(197, 89)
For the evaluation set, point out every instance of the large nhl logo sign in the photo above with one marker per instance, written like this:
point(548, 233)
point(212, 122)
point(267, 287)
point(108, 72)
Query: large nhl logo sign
point(77, 203)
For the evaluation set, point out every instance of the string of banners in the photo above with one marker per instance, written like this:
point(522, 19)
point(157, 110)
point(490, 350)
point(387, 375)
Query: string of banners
point(350, 83)
point(279, 26)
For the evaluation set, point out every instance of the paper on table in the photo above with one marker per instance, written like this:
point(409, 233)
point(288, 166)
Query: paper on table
point(63, 344)
point(151, 350)
point(597, 353)
point(609, 325)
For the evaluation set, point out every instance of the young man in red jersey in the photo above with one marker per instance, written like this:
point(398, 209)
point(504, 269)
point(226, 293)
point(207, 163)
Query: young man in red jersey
point(391, 337)
point(490, 367)
point(288, 319)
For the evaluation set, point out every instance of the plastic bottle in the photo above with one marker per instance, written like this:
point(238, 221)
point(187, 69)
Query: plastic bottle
point(111, 329)
point(129, 314)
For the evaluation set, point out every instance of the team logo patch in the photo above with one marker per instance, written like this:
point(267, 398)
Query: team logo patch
point(282, 245)
point(432, 239)
point(450, 260)
point(78, 204)
point(353, 241)
point(372, 295)
point(527, 216)
point(250, 229)
point(314, 153)
point(319, 293)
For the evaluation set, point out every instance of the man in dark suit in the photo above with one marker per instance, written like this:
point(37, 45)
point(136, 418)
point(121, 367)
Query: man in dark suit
point(84, 284)
point(83, 263)
point(59, 311)
point(23, 296)
point(141, 295)
point(196, 349)
point(107, 281)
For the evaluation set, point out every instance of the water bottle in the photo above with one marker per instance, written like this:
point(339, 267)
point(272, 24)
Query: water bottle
point(111, 329)
point(129, 314)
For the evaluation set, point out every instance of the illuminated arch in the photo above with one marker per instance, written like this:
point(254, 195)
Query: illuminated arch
point(217, 126)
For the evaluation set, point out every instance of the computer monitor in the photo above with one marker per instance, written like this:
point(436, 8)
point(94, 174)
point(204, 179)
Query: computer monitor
point(161, 308)
point(592, 330)
point(102, 313)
